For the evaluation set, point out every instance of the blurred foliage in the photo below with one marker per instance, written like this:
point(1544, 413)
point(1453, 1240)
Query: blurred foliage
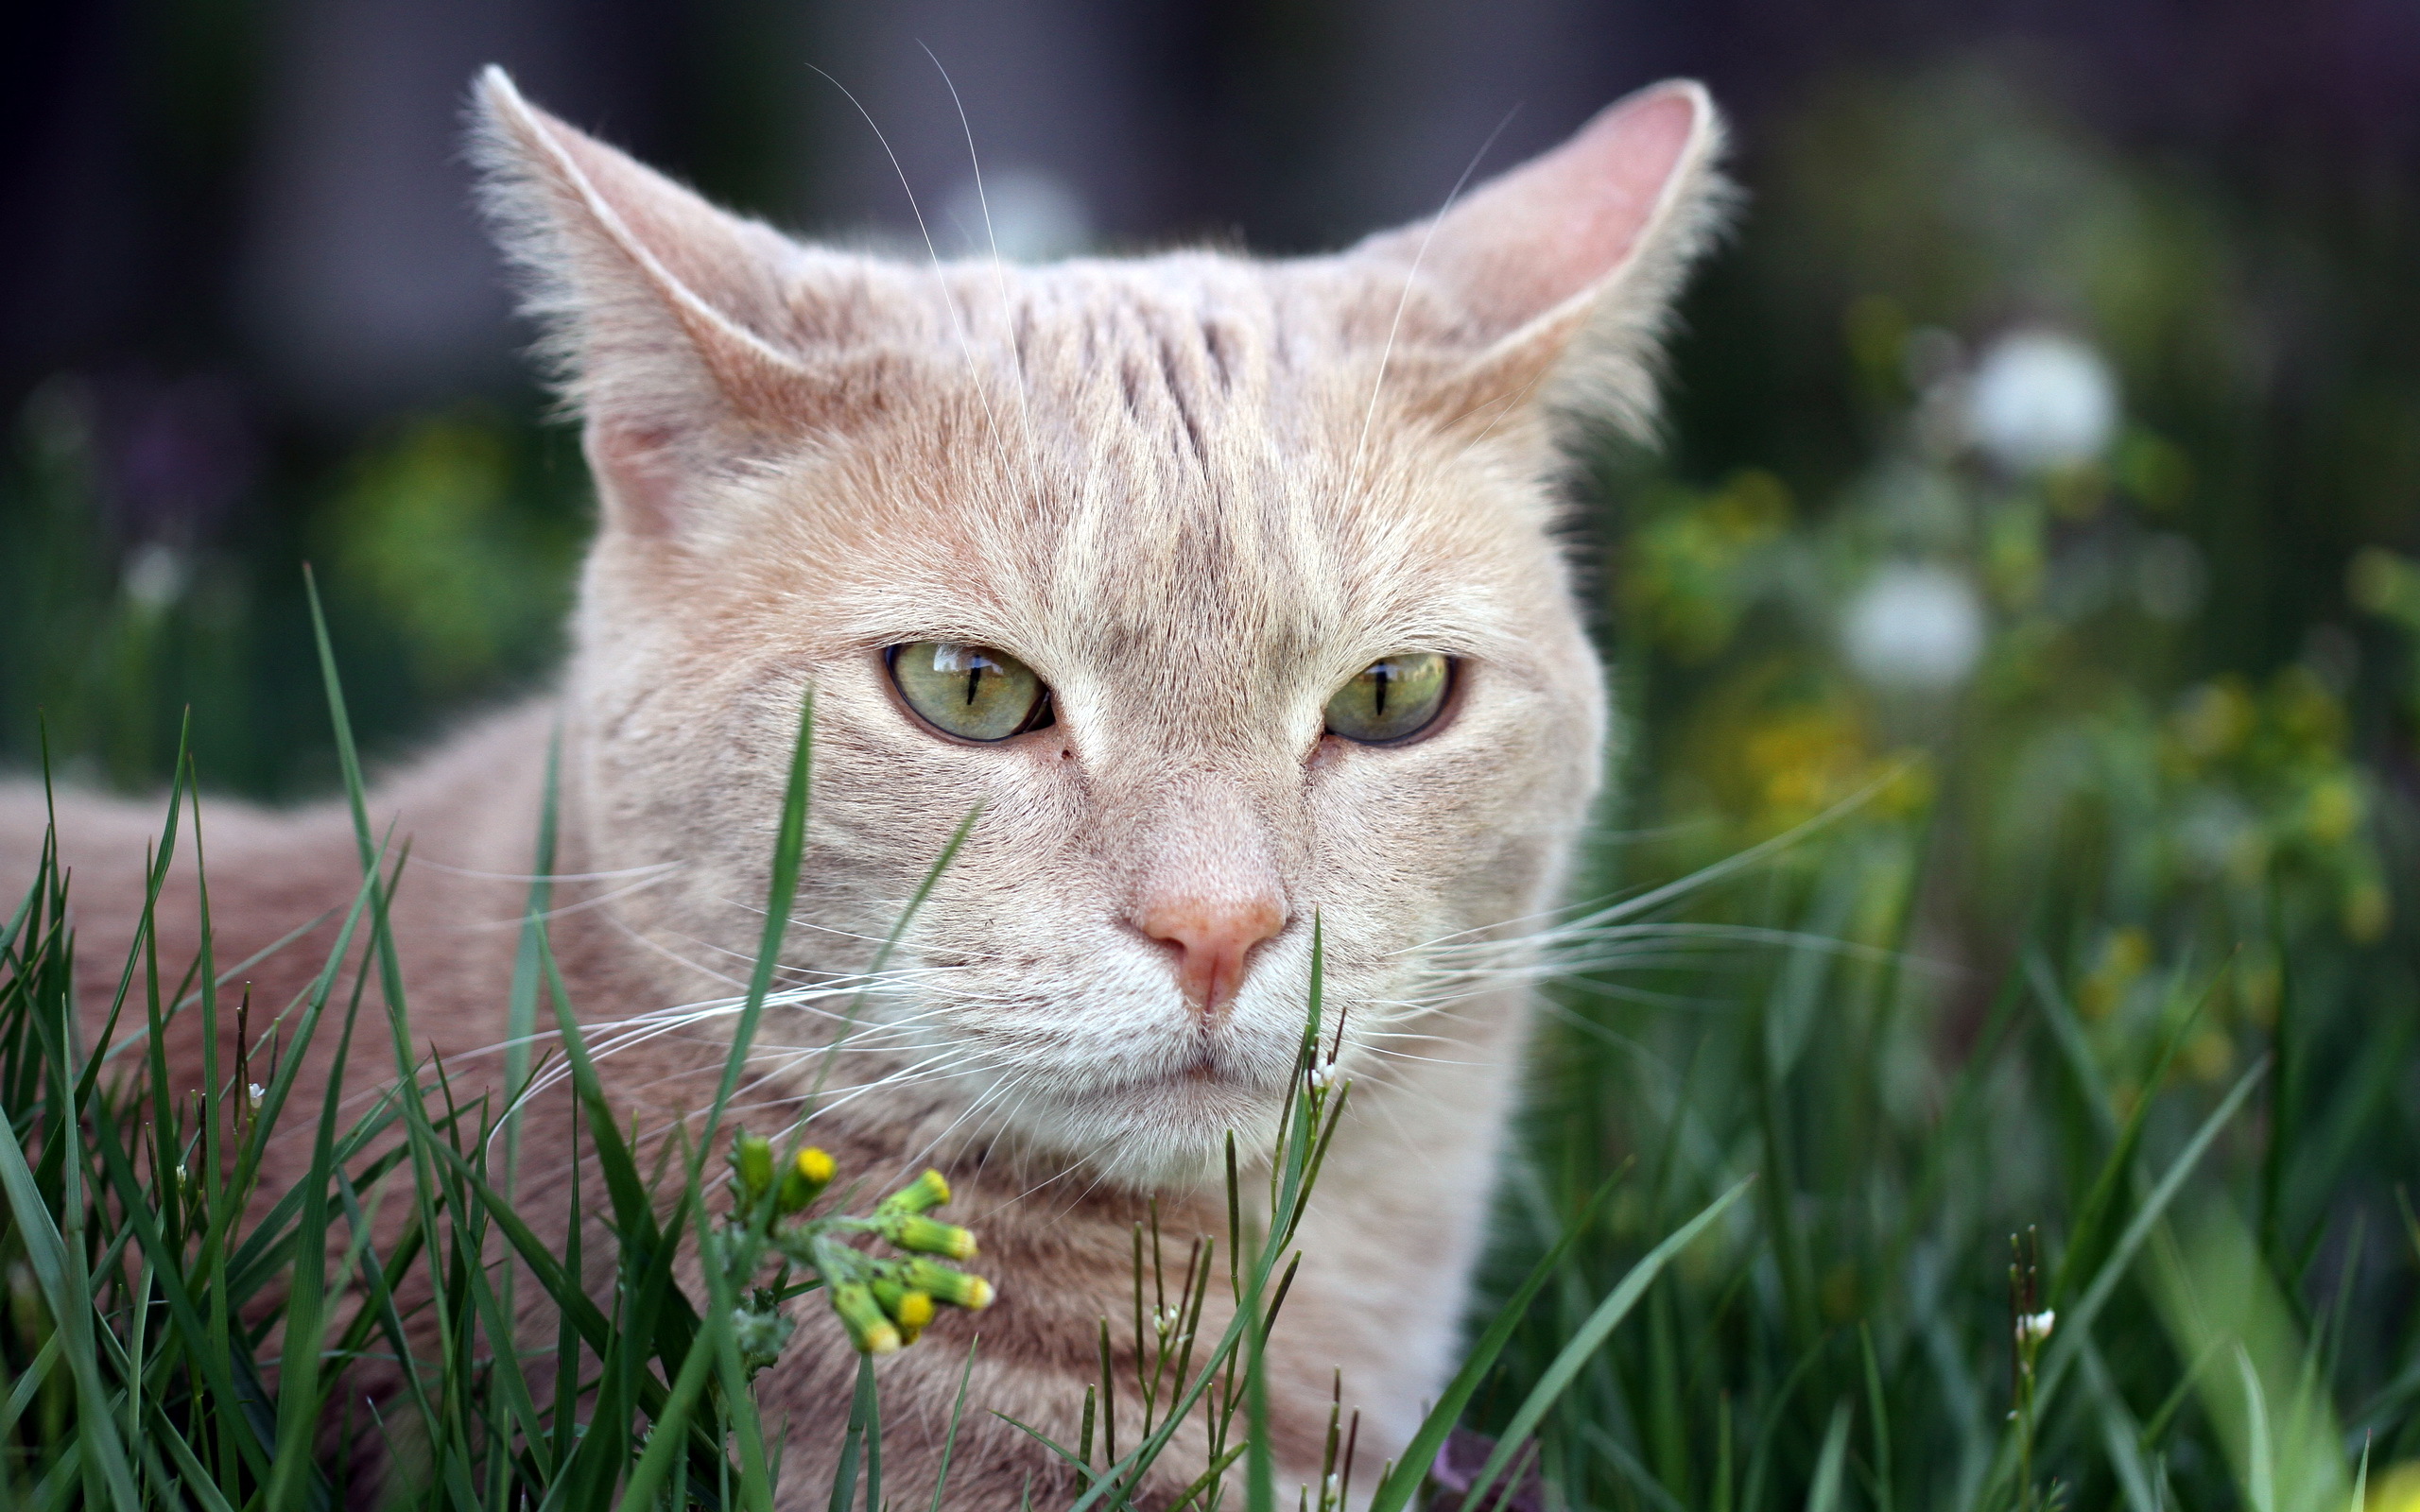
point(2043, 613)
point(2016, 608)
point(445, 544)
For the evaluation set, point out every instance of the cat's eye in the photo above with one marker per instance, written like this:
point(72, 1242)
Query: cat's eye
point(1393, 698)
point(971, 692)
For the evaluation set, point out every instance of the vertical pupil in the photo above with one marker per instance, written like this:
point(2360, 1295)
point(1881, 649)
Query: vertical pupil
point(1381, 675)
point(973, 679)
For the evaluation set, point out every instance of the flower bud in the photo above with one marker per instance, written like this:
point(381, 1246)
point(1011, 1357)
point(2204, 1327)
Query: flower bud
point(808, 1174)
point(930, 1236)
point(751, 1160)
point(923, 1194)
point(911, 1308)
point(868, 1330)
point(944, 1285)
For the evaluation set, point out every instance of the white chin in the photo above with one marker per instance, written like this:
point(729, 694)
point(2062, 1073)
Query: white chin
point(1170, 1133)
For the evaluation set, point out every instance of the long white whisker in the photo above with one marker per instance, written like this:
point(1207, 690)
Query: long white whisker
point(1387, 354)
point(941, 276)
point(519, 920)
point(999, 279)
point(550, 876)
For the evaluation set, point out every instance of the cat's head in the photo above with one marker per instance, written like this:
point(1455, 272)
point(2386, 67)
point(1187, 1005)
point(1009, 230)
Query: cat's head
point(1227, 591)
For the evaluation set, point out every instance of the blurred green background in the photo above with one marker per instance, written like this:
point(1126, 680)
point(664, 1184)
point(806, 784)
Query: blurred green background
point(2042, 483)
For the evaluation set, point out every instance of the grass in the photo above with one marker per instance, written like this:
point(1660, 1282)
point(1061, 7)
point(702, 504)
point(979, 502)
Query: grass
point(1994, 1261)
point(1834, 1266)
point(163, 1348)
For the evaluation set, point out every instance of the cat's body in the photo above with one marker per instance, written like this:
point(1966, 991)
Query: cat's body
point(1196, 496)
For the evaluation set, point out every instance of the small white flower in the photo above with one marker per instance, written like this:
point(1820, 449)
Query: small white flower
point(154, 576)
point(2041, 400)
point(2035, 1327)
point(1914, 626)
point(253, 1094)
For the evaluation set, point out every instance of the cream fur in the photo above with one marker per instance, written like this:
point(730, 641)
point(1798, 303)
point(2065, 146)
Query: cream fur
point(1195, 493)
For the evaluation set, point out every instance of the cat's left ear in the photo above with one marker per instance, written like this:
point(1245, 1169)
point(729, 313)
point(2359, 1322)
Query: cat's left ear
point(1554, 282)
point(690, 339)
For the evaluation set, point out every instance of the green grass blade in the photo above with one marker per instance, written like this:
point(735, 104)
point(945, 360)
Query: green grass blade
point(304, 1317)
point(1824, 1492)
point(957, 1409)
point(882, 953)
point(1591, 1337)
point(60, 1271)
point(2101, 1198)
point(1877, 1407)
point(789, 846)
point(2075, 1322)
point(1396, 1489)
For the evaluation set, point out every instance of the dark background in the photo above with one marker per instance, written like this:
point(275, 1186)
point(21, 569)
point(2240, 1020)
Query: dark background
point(239, 260)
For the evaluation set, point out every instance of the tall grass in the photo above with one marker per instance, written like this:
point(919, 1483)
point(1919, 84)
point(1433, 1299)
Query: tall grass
point(1998, 1258)
point(2005, 1287)
point(164, 1347)
point(174, 1339)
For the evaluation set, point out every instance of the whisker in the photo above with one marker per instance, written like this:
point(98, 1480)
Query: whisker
point(520, 920)
point(1387, 354)
point(550, 876)
point(941, 276)
point(999, 279)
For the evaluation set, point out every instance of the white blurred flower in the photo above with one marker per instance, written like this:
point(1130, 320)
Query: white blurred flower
point(1030, 215)
point(2216, 835)
point(2041, 400)
point(1914, 626)
point(154, 576)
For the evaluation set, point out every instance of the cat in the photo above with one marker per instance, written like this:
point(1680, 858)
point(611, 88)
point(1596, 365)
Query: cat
point(1227, 596)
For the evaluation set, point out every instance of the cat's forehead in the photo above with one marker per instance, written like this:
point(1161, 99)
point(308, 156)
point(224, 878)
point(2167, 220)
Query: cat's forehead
point(1193, 453)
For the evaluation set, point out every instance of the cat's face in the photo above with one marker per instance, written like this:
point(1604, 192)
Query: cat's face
point(1103, 554)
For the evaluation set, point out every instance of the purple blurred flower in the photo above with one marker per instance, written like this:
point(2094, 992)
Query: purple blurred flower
point(1458, 1465)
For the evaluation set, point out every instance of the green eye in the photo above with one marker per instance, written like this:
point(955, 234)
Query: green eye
point(971, 692)
point(1391, 699)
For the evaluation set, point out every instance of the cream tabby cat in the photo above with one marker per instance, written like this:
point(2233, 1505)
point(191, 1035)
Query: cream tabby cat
point(1229, 589)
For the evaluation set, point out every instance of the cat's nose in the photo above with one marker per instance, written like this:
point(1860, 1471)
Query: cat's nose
point(1213, 938)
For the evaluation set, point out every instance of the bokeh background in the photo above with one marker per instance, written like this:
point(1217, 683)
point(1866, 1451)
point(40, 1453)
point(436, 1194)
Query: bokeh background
point(2042, 481)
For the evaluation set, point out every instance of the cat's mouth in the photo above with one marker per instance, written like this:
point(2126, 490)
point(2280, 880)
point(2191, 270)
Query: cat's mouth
point(1201, 1070)
point(1160, 1117)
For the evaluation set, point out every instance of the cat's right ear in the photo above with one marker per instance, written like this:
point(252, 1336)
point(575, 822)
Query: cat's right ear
point(1556, 279)
point(671, 325)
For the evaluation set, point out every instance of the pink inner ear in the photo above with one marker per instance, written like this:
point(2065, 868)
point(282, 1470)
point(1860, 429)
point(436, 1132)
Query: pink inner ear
point(638, 474)
point(1560, 224)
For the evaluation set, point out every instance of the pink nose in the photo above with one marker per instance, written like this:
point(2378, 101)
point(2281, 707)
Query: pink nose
point(1212, 938)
